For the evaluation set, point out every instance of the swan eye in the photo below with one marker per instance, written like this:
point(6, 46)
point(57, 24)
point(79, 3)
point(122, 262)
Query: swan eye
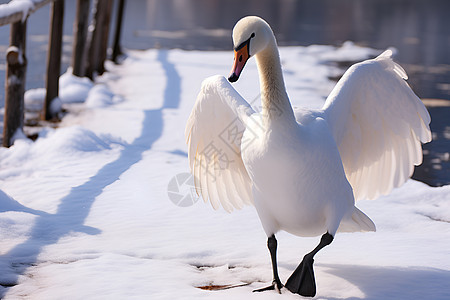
point(253, 35)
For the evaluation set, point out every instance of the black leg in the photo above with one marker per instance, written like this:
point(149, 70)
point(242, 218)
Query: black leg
point(276, 283)
point(302, 281)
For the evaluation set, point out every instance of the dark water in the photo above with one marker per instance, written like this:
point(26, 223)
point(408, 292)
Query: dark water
point(419, 29)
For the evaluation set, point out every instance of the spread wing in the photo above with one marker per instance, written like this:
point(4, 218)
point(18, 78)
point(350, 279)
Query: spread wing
point(213, 134)
point(378, 124)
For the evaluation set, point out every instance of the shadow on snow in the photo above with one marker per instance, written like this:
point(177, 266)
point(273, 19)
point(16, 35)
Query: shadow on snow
point(394, 283)
point(75, 207)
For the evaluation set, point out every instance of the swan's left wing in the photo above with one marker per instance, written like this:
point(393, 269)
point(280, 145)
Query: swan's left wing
point(213, 133)
point(378, 124)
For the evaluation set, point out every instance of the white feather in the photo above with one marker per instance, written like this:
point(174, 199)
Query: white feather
point(377, 121)
point(213, 134)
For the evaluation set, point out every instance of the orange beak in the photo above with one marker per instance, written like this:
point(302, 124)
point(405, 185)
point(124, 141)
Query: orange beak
point(241, 56)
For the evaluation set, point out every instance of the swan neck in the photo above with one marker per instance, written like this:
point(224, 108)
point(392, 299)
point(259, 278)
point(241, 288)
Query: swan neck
point(275, 101)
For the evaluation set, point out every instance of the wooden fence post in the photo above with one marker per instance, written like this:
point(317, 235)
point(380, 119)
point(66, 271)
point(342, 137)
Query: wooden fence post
point(54, 56)
point(15, 82)
point(92, 51)
point(80, 27)
point(116, 47)
point(99, 40)
point(104, 36)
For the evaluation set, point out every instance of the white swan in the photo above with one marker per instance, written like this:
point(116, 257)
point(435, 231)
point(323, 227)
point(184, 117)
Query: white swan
point(303, 169)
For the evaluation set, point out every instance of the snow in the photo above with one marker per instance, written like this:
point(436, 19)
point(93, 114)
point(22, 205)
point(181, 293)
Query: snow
point(85, 211)
point(16, 6)
point(74, 89)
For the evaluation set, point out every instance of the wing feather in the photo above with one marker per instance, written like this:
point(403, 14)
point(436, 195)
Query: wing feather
point(378, 124)
point(213, 134)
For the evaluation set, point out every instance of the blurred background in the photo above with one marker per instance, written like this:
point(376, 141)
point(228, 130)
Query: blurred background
point(418, 29)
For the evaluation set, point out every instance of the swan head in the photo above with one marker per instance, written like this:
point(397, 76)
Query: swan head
point(250, 36)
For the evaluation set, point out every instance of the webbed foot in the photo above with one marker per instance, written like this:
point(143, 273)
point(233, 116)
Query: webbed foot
point(276, 285)
point(302, 280)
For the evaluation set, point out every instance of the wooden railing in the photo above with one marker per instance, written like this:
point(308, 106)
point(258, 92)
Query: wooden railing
point(16, 13)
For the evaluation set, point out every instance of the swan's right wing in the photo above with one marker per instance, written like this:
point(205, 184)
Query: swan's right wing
point(213, 134)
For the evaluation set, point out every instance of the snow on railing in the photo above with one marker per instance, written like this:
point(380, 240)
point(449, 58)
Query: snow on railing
point(19, 10)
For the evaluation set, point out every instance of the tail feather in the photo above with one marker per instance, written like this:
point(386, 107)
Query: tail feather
point(357, 221)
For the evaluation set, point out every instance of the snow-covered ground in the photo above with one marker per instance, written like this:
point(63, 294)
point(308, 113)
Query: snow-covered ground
point(88, 210)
